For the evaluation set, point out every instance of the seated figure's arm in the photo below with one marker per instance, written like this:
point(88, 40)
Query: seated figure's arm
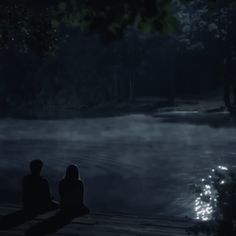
point(81, 197)
point(23, 192)
point(47, 193)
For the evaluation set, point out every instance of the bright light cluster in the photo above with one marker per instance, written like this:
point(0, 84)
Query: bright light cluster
point(206, 201)
point(204, 209)
point(222, 168)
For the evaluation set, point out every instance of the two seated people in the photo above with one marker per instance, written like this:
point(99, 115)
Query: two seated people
point(36, 194)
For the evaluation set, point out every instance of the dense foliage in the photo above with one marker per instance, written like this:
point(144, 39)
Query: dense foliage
point(35, 25)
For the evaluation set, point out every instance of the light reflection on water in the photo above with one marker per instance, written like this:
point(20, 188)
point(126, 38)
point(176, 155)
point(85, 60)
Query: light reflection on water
point(206, 200)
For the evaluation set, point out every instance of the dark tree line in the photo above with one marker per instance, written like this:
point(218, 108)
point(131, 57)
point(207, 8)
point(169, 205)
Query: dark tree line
point(39, 26)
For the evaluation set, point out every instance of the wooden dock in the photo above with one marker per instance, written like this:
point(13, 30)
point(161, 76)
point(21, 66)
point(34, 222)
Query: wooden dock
point(101, 224)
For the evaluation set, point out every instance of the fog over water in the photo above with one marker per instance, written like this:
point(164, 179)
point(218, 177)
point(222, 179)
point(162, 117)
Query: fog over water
point(138, 164)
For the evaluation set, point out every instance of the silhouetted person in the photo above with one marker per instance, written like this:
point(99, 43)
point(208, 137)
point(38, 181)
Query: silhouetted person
point(71, 191)
point(36, 193)
point(36, 198)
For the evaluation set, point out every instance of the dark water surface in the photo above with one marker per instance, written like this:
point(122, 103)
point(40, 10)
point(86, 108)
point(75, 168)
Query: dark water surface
point(137, 164)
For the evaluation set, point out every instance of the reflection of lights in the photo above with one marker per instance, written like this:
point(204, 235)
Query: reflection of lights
point(204, 209)
point(222, 168)
point(207, 198)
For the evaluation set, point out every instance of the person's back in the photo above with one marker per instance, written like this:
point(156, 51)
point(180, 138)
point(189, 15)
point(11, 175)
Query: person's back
point(71, 191)
point(36, 194)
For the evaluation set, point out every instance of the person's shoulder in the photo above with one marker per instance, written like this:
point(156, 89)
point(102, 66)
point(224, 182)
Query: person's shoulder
point(26, 178)
point(43, 180)
point(62, 182)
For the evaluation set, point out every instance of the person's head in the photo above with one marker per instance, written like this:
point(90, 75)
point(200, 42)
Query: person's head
point(72, 172)
point(36, 167)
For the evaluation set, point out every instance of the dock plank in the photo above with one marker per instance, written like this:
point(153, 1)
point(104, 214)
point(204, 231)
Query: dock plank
point(102, 224)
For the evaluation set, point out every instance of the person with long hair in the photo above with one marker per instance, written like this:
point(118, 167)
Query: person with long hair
point(71, 190)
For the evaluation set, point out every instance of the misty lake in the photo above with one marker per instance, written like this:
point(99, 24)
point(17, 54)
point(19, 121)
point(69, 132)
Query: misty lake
point(135, 164)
